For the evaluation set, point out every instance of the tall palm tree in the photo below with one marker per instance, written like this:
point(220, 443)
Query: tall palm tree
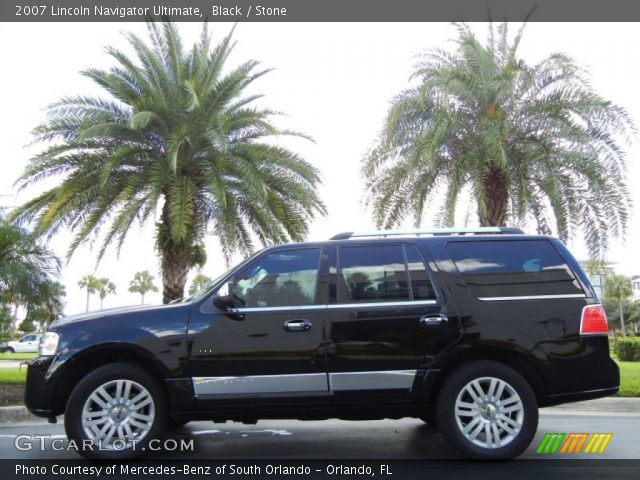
point(199, 281)
point(27, 269)
point(50, 308)
point(176, 131)
point(105, 287)
point(618, 288)
point(530, 142)
point(142, 283)
point(91, 284)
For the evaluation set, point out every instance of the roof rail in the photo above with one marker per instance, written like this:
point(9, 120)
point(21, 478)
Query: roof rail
point(433, 231)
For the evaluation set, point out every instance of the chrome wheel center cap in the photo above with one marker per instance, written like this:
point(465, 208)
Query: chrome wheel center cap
point(118, 413)
point(488, 411)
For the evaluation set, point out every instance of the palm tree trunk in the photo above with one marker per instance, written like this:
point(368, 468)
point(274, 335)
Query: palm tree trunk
point(88, 294)
point(176, 261)
point(101, 303)
point(175, 267)
point(142, 300)
point(623, 329)
point(496, 198)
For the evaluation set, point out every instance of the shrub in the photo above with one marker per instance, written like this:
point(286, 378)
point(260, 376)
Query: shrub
point(627, 349)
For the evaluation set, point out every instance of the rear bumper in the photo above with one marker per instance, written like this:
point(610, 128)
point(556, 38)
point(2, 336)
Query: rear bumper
point(604, 384)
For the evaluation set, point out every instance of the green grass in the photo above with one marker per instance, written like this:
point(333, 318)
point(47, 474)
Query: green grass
point(629, 379)
point(17, 356)
point(13, 375)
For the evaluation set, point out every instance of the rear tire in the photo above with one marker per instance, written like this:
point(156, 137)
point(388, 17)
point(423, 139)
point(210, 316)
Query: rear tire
point(117, 409)
point(487, 411)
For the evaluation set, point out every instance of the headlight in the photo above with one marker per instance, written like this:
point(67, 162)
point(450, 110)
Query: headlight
point(48, 344)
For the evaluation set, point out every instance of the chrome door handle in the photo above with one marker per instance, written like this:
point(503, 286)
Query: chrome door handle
point(428, 321)
point(298, 325)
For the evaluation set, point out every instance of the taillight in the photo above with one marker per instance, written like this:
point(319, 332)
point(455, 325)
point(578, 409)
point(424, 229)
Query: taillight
point(594, 321)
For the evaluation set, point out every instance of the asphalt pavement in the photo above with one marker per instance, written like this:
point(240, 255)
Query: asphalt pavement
point(336, 439)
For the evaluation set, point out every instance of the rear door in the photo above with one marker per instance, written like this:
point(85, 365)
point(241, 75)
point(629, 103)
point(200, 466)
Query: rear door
point(386, 322)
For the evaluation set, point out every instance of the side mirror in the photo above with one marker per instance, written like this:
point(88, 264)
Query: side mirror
point(223, 299)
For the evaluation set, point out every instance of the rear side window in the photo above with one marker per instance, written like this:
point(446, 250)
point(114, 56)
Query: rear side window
point(499, 269)
point(382, 273)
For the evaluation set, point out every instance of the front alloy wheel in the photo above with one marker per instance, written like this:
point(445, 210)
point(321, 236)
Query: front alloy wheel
point(487, 410)
point(118, 413)
point(115, 411)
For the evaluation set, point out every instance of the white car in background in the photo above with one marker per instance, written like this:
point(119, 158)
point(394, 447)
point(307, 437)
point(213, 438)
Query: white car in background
point(27, 344)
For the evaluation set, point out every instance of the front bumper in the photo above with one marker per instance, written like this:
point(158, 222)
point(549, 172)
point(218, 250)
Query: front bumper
point(39, 396)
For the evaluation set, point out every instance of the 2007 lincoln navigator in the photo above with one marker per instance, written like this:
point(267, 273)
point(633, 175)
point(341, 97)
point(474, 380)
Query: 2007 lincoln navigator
point(471, 330)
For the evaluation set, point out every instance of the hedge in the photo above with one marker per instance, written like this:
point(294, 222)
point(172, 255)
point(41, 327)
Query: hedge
point(627, 349)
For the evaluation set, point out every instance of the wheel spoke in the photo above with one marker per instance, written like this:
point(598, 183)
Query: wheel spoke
point(492, 387)
point(488, 439)
point(514, 408)
point(470, 425)
point(496, 435)
point(141, 417)
point(476, 431)
point(506, 427)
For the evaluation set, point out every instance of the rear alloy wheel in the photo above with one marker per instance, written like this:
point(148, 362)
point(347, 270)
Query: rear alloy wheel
point(117, 409)
point(488, 411)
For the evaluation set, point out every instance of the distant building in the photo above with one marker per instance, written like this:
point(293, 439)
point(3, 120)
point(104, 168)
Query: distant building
point(599, 276)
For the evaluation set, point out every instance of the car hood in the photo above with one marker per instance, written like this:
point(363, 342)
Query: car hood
point(111, 312)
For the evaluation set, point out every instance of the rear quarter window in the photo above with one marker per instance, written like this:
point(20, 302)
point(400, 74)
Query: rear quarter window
point(503, 269)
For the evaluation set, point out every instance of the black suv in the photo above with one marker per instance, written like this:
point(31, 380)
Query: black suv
point(470, 330)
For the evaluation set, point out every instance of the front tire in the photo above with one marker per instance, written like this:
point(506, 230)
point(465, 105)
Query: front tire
point(116, 409)
point(487, 411)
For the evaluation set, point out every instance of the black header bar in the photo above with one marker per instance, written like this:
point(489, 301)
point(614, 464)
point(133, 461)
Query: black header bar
point(319, 10)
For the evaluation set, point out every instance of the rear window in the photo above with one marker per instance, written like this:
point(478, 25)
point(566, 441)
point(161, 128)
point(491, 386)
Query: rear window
point(500, 269)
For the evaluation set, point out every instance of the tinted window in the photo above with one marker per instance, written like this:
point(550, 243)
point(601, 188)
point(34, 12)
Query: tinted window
point(511, 269)
point(372, 274)
point(421, 286)
point(285, 278)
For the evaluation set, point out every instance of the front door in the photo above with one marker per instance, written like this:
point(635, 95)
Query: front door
point(268, 347)
point(386, 322)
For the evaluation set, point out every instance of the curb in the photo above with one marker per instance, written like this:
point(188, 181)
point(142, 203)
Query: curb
point(17, 414)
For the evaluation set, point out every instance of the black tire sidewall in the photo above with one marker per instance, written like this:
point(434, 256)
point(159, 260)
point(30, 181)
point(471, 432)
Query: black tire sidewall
point(446, 419)
point(116, 371)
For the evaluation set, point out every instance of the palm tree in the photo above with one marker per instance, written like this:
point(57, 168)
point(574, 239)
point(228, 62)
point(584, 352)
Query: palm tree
point(105, 287)
point(142, 283)
point(618, 288)
point(529, 142)
point(176, 132)
point(91, 284)
point(199, 281)
point(52, 306)
point(27, 269)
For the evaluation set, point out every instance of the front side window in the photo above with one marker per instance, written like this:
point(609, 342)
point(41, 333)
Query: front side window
point(279, 279)
point(513, 268)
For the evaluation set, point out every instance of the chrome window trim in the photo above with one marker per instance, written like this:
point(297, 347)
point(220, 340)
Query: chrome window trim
point(276, 309)
point(532, 297)
point(375, 380)
point(406, 303)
